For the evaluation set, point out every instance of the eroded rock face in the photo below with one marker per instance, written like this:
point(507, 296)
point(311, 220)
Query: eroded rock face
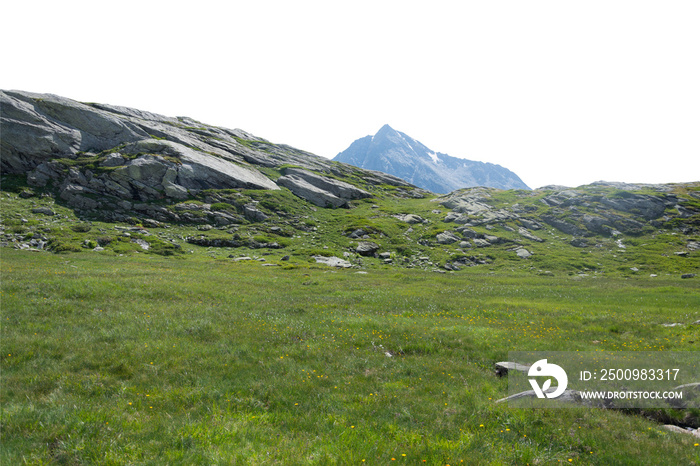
point(320, 190)
point(39, 127)
point(197, 170)
point(140, 155)
point(150, 170)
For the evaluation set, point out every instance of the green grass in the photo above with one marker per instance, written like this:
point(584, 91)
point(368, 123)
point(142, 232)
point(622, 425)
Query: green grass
point(144, 359)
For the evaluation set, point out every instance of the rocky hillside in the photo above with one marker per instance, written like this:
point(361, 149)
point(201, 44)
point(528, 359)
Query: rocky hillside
point(106, 158)
point(398, 154)
point(100, 179)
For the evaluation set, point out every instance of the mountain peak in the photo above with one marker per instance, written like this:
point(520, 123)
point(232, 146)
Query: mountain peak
point(393, 152)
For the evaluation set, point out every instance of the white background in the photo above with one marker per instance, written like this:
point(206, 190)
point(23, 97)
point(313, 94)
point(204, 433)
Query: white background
point(560, 92)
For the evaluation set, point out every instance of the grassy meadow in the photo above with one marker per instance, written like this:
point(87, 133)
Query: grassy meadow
point(145, 359)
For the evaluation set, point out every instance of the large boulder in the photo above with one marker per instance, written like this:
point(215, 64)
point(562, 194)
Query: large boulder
point(367, 248)
point(320, 190)
point(197, 170)
point(447, 237)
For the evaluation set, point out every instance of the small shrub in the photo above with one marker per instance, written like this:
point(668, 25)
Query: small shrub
point(81, 228)
point(104, 240)
point(61, 247)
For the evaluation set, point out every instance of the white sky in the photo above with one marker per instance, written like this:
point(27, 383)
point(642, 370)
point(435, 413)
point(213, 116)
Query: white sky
point(560, 92)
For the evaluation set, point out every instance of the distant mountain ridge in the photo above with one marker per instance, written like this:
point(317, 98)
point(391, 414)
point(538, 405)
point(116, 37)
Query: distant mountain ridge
point(397, 154)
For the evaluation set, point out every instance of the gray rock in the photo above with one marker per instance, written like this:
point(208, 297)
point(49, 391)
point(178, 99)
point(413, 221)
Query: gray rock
point(465, 244)
point(367, 248)
point(359, 233)
point(410, 218)
point(688, 275)
point(468, 232)
point(530, 224)
point(569, 396)
point(503, 367)
point(680, 430)
point(493, 239)
point(145, 245)
point(320, 190)
point(251, 212)
point(523, 253)
point(447, 237)
point(113, 160)
point(37, 127)
point(197, 170)
point(564, 226)
point(333, 261)
point(481, 243)
point(524, 232)
point(43, 210)
point(311, 193)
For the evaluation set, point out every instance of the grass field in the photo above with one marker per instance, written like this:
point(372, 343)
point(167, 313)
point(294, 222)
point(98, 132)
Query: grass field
point(144, 359)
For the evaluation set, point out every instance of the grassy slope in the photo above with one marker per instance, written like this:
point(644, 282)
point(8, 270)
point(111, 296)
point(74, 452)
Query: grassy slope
point(143, 359)
point(307, 231)
point(125, 357)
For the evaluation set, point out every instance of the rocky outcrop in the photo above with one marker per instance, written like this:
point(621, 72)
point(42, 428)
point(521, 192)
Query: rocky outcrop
point(95, 150)
point(38, 127)
point(320, 190)
point(146, 170)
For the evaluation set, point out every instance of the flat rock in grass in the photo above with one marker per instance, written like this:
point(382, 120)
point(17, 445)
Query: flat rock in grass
point(333, 261)
point(410, 218)
point(43, 210)
point(525, 233)
point(523, 253)
point(145, 245)
point(503, 367)
point(569, 396)
point(680, 430)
